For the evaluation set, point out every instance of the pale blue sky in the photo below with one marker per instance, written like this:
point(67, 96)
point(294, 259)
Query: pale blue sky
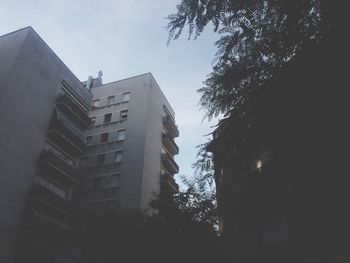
point(123, 39)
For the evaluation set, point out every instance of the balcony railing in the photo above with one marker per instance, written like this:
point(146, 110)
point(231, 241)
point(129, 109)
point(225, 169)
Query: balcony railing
point(51, 220)
point(70, 108)
point(169, 163)
point(66, 136)
point(44, 195)
point(100, 170)
point(170, 144)
point(51, 161)
point(98, 195)
point(170, 126)
point(169, 183)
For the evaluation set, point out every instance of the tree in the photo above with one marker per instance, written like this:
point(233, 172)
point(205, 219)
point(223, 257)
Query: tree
point(183, 229)
point(257, 37)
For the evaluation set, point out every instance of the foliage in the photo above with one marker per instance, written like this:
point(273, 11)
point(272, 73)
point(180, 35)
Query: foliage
point(203, 179)
point(195, 205)
point(182, 229)
point(257, 37)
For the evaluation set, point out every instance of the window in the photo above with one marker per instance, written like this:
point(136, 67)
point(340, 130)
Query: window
point(123, 114)
point(92, 121)
point(118, 157)
point(115, 180)
point(97, 182)
point(108, 117)
point(121, 135)
point(100, 159)
point(88, 139)
point(126, 97)
point(96, 103)
point(110, 100)
point(258, 164)
point(104, 137)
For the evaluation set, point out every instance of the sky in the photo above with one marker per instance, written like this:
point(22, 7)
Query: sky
point(124, 39)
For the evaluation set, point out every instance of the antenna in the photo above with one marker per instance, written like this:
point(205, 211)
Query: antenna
point(100, 74)
point(89, 82)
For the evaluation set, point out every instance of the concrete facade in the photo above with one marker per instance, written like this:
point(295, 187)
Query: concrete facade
point(31, 79)
point(53, 153)
point(131, 112)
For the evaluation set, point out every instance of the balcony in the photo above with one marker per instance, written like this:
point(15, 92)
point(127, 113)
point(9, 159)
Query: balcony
point(62, 222)
point(73, 110)
point(169, 124)
point(53, 164)
point(168, 183)
point(170, 144)
point(169, 163)
point(98, 195)
point(48, 198)
point(65, 136)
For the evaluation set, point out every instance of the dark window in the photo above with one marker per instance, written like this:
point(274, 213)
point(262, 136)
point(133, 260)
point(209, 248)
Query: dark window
point(97, 182)
point(96, 103)
point(124, 114)
point(100, 159)
point(88, 139)
point(104, 137)
point(108, 117)
point(92, 121)
point(110, 100)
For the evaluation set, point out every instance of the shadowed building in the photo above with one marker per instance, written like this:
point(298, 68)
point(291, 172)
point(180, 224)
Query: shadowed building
point(280, 167)
point(43, 112)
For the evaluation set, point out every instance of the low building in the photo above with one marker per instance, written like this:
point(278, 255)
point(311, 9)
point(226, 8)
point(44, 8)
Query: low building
point(280, 165)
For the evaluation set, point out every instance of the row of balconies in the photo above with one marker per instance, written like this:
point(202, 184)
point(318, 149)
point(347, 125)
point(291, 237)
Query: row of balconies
point(170, 125)
point(168, 181)
point(65, 136)
point(41, 193)
point(72, 109)
point(169, 166)
point(55, 165)
point(46, 205)
point(169, 163)
point(169, 144)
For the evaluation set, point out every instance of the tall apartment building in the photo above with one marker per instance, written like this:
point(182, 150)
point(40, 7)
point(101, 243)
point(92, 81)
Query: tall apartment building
point(131, 145)
point(121, 133)
point(43, 114)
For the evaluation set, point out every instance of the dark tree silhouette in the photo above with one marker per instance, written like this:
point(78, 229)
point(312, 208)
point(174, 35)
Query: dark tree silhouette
point(257, 37)
point(180, 229)
point(292, 53)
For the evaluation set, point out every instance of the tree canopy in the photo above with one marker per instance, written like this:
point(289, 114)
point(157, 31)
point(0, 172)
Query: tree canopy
point(257, 37)
point(182, 228)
